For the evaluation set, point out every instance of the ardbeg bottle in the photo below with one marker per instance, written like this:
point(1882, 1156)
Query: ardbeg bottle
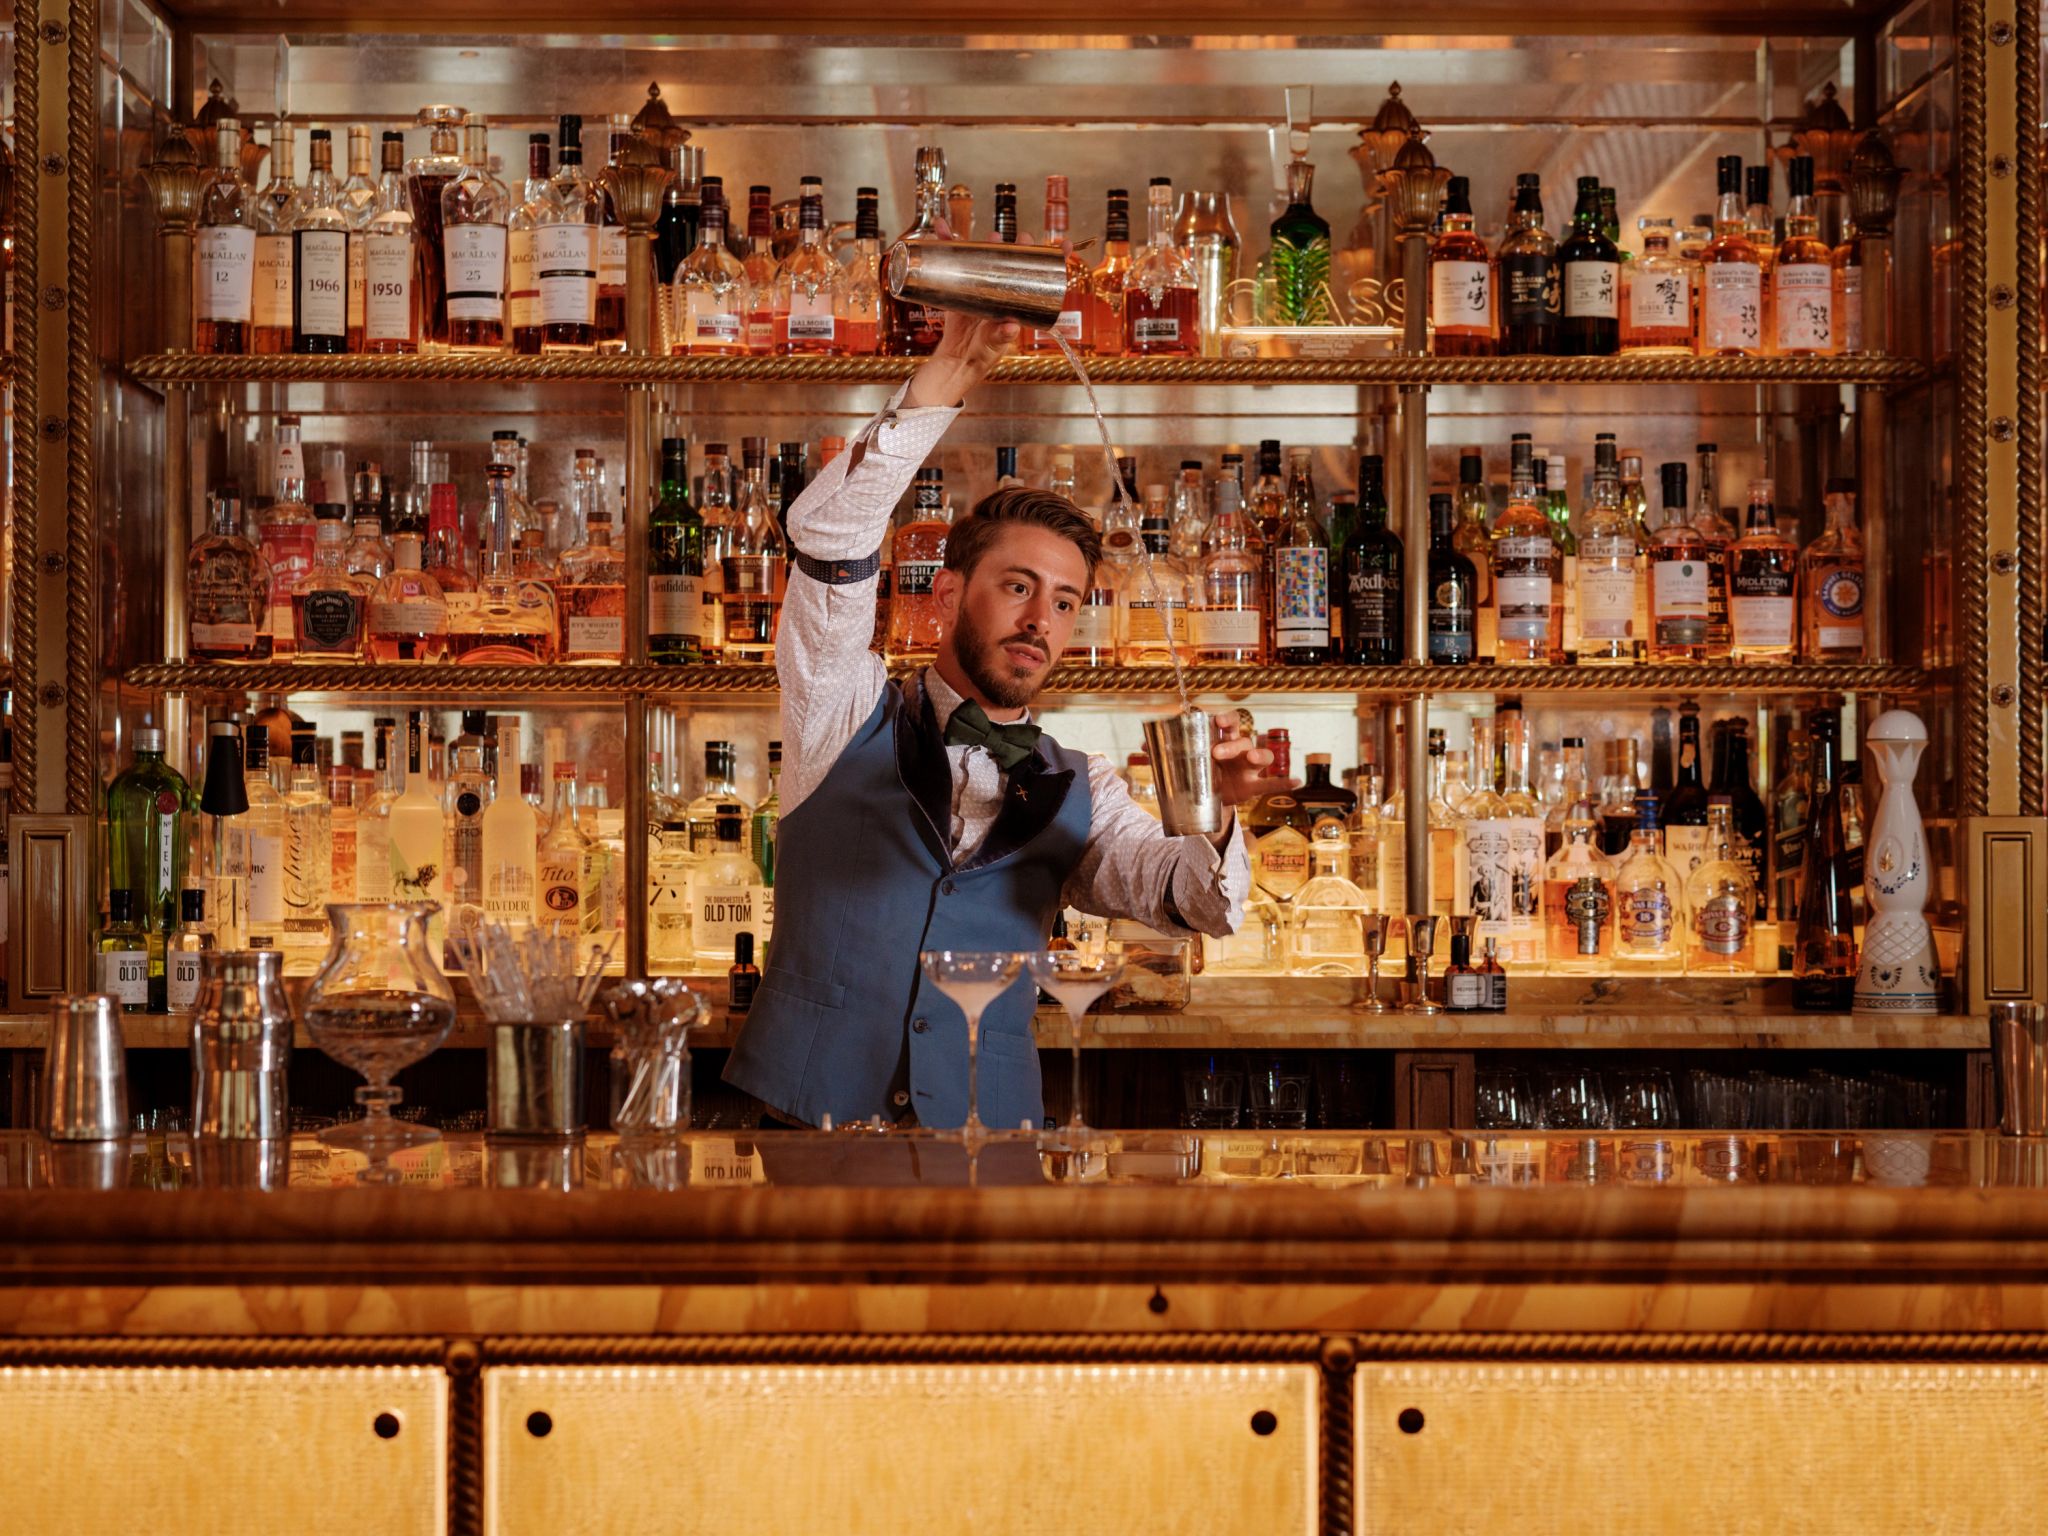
point(1372, 585)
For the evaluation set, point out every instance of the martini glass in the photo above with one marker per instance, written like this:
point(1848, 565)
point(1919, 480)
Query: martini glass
point(972, 979)
point(1075, 978)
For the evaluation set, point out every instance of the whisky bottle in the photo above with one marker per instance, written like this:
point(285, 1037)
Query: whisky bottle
point(474, 208)
point(425, 177)
point(1720, 901)
point(227, 587)
point(1686, 841)
point(319, 257)
point(1763, 583)
point(908, 329)
point(1229, 618)
point(1589, 272)
point(273, 215)
point(1649, 902)
point(1802, 275)
point(919, 545)
point(330, 603)
point(1719, 534)
point(516, 614)
point(1527, 571)
point(1732, 276)
point(677, 619)
point(1301, 574)
point(565, 248)
point(1607, 568)
point(1152, 604)
point(1106, 282)
point(1160, 301)
point(806, 297)
point(1073, 321)
point(1659, 295)
point(612, 255)
point(357, 199)
point(1831, 582)
point(858, 319)
point(1374, 614)
point(1530, 306)
point(759, 268)
point(285, 534)
point(1460, 281)
point(1761, 231)
point(753, 571)
point(591, 586)
point(224, 253)
point(1473, 539)
point(1453, 589)
point(711, 292)
point(1845, 267)
point(390, 261)
point(1824, 946)
point(522, 279)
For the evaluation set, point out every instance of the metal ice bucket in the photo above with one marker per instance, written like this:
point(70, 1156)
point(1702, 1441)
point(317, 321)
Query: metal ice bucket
point(1025, 283)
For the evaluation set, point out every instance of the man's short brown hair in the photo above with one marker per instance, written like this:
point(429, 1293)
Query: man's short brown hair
point(970, 537)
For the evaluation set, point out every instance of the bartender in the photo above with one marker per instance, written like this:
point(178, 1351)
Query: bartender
point(932, 813)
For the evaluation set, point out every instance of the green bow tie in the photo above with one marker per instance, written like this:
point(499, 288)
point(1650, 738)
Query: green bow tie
point(1008, 744)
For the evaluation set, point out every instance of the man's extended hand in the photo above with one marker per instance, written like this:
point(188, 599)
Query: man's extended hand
point(1241, 765)
point(965, 353)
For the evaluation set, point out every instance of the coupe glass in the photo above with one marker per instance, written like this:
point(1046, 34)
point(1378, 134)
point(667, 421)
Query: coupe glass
point(972, 979)
point(1075, 978)
point(378, 1005)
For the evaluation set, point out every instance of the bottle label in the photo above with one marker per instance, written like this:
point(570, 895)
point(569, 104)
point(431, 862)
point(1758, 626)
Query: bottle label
point(1460, 296)
point(273, 297)
point(1849, 309)
point(1760, 604)
point(1529, 289)
point(1607, 601)
point(288, 547)
point(408, 616)
point(1659, 301)
point(1732, 308)
point(560, 877)
point(323, 282)
point(760, 330)
point(611, 257)
point(565, 266)
point(1686, 849)
point(181, 981)
point(1646, 917)
point(1804, 297)
point(1095, 624)
point(1145, 624)
point(1505, 858)
point(1450, 624)
point(1523, 598)
point(1372, 609)
point(226, 273)
point(1839, 593)
point(675, 607)
point(1301, 598)
point(723, 912)
point(239, 637)
point(476, 270)
point(1592, 290)
point(597, 635)
point(810, 316)
point(1223, 629)
point(1465, 991)
point(508, 890)
point(1155, 330)
point(1586, 906)
point(266, 881)
point(522, 287)
point(358, 277)
point(708, 326)
point(124, 975)
point(914, 577)
point(1069, 325)
point(330, 621)
point(1723, 927)
point(306, 869)
point(387, 289)
point(1679, 599)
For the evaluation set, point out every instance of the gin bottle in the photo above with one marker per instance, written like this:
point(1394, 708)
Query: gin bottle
point(149, 813)
point(182, 949)
point(725, 890)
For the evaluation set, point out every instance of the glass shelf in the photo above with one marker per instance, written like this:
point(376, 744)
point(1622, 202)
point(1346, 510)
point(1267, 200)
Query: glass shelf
point(190, 368)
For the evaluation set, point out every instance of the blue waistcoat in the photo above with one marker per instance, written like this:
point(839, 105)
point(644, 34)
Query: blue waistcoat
point(844, 1017)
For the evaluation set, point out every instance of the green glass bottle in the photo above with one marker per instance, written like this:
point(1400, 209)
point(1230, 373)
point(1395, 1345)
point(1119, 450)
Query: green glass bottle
point(678, 618)
point(149, 813)
point(1373, 570)
point(1298, 262)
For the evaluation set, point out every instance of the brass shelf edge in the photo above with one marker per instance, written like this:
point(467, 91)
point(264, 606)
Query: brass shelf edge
point(607, 683)
point(192, 368)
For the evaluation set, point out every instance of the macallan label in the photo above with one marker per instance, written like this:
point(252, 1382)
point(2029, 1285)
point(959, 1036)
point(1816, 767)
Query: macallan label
point(476, 271)
point(522, 290)
point(227, 273)
point(387, 290)
point(565, 265)
point(323, 282)
point(273, 298)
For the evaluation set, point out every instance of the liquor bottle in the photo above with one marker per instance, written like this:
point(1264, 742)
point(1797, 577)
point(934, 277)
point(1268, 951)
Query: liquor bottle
point(711, 288)
point(447, 561)
point(725, 889)
point(1152, 602)
point(1824, 946)
point(591, 591)
point(1589, 273)
point(130, 969)
point(330, 604)
point(1326, 920)
point(1578, 899)
point(806, 297)
point(373, 820)
point(1635, 503)
point(1732, 273)
point(367, 554)
point(182, 949)
point(149, 809)
point(1301, 574)
point(1752, 821)
point(564, 868)
point(227, 587)
point(1529, 294)
point(319, 257)
point(273, 215)
point(1266, 506)
point(1552, 497)
point(765, 834)
point(1460, 281)
point(1485, 869)
point(510, 835)
point(1573, 786)
point(1619, 791)
point(1686, 841)
point(408, 614)
point(1453, 591)
point(1521, 822)
point(522, 277)
point(516, 614)
point(262, 837)
point(1391, 828)
point(419, 858)
point(1473, 539)
point(1607, 567)
point(610, 312)
point(308, 858)
point(1326, 809)
point(341, 826)
point(1160, 302)
point(758, 270)
point(1831, 582)
point(390, 259)
point(1845, 272)
point(1720, 901)
point(1790, 799)
point(678, 619)
point(1763, 584)
point(1374, 613)
point(286, 535)
point(425, 177)
point(1449, 886)
point(858, 319)
point(1005, 202)
point(753, 571)
point(1659, 295)
point(1073, 321)
point(1298, 258)
point(719, 510)
point(1761, 231)
point(224, 253)
point(913, 330)
point(1527, 571)
point(474, 208)
point(1649, 902)
point(464, 798)
point(1802, 275)
point(565, 248)
point(1229, 617)
point(1719, 534)
point(919, 546)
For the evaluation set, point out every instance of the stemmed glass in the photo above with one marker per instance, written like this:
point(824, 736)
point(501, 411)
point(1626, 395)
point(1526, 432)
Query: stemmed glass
point(1075, 978)
point(1421, 948)
point(972, 979)
point(1375, 946)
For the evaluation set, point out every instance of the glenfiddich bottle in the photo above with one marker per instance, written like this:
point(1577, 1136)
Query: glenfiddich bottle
point(1824, 949)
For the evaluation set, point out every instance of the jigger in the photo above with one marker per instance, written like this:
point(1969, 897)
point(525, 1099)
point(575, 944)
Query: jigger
point(1025, 283)
point(1375, 946)
point(1421, 945)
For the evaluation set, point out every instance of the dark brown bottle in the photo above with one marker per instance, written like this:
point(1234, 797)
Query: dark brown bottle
point(1824, 948)
point(744, 977)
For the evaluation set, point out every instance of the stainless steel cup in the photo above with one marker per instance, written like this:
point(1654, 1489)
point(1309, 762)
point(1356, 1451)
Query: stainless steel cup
point(2019, 1052)
point(536, 1078)
point(1025, 283)
point(1182, 748)
point(85, 1090)
point(241, 1047)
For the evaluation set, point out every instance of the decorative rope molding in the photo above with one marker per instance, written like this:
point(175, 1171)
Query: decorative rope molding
point(906, 1349)
point(82, 379)
point(1972, 449)
point(2033, 578)
point(27, 437)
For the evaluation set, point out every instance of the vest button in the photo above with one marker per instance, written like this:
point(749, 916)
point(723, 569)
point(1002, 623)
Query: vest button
point(919, 1026)
point(947, 887)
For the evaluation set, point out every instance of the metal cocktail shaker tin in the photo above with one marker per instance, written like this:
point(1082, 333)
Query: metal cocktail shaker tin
point(86, 1064)
point(1182, 748)
point(1025, 283)
point(536, 1078)
point(241, 1047)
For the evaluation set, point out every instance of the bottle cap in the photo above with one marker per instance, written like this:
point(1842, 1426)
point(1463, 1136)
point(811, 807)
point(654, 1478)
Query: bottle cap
point(743, 948)
point(120, 906)
point(1646, 811)
point(1673, 476)
point(192, 905)
point(149, 739)
point(1461, 949)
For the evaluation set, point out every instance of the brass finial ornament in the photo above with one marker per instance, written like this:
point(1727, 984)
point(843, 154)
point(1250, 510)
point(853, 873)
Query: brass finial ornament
point(1392, 126)
point(1413, 185)
point(656, 125)
point(1825, 136)
point(636, 176)
point(1874, 179)
point(177, 177)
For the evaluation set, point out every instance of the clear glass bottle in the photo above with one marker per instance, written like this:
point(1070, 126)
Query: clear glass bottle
point(1153, 601)
point(182, 949)
point(806, 297)
point(760, 268)
point(1326, 933)
point(1635, 502)
point(566, 869)
point(510, 839)
point(1530, 294)
point(464, 798)
point(1659, 320)
point(1732, 274)
point(373, 818)
point(1552, 496)
point(919, 545)
point(1607, 567)
point(391, 261)
point(1161, 307)
point(1719, 534)
point(1589, 273)
point(261, 834)
point(1802, 275)
point(611, 251)
point(319, 257)
point(591, 587)
point(522, 277)
point(1649, 902)
point(367, 554)
point(913, 330)
point(1301, 574)
point(753, 572)
point(1578, 899)
point(1720, 902)
point(1845, 268)
point(130, 964)
point(308, 859)
point(475, 206)
point(721, 787)
point(1106, 282)
point(565, 248)
point(711, 297)
point(1763, 585)
point(1229, 623)
point(425, 177)
point(227, 587)
point(330, 603)
point(286, 535)
point(1521, 822)
point(224, 253)
point(857, 317)
point(1527, 571)
point(1460, 281)
point(1761, 231)
point(1831, 582)
point(272, 217)
point(725, 889)
point(516, 614)
point(1073, 321)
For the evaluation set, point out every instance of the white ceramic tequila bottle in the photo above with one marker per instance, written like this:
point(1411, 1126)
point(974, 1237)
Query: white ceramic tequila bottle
point(1900, 972)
